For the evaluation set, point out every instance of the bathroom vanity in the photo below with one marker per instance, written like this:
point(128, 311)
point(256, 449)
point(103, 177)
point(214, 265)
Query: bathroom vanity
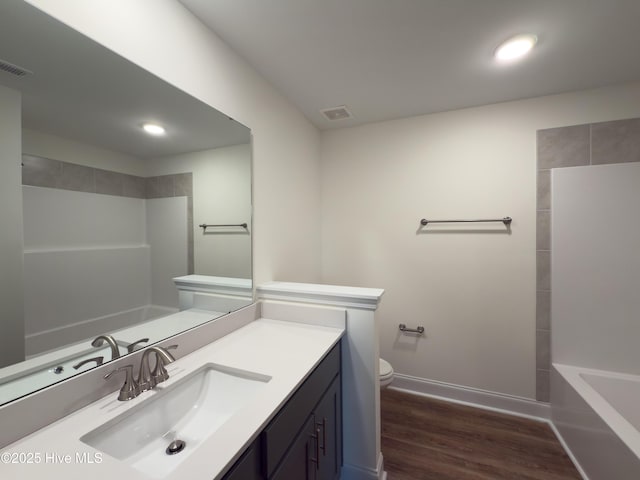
point(304, 440)
point(274, 378)
point(289, 428)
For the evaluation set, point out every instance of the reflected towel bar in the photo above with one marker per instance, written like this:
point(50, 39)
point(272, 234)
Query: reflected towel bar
point(505, 220)
point(403, 328)
point(205, 225)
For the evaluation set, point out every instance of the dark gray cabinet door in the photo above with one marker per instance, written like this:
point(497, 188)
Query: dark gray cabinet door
point(248, 467)
point(299, 461)
point(328, 421)
point(282, 431)
point(304, 439)
point(316, 454)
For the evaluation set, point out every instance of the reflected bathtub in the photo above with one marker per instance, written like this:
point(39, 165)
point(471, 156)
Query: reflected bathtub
point(597, 414)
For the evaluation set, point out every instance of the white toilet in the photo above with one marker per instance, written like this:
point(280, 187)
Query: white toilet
point(386, 373)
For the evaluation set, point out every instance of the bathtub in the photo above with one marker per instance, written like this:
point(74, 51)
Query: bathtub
point(43, 341)
point(597, 414)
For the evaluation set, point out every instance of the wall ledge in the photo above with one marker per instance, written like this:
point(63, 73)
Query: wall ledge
point(347, 297)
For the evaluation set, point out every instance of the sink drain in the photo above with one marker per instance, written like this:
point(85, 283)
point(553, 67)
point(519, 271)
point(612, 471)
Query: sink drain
point(175, 447)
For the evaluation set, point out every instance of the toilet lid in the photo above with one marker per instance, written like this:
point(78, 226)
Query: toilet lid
point(385, 368)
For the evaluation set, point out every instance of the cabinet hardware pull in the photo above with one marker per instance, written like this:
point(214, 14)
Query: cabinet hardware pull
point(316, 437)
point(324, 436)
point(318, 448)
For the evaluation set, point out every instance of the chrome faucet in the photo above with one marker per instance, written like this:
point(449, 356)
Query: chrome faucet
point(98, 361)
point(100, 341)
point(148, 379)
point(130, 388)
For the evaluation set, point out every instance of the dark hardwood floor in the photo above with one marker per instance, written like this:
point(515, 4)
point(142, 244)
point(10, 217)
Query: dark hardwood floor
point(427, 439)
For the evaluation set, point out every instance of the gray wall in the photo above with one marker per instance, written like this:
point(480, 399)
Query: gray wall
point(11, 324)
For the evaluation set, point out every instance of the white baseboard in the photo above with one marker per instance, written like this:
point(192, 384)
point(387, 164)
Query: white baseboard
point(497, 402)
point(382, 473)
point(353, 472)
point(568, 451)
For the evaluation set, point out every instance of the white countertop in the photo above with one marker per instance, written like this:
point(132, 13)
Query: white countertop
point(285, 351)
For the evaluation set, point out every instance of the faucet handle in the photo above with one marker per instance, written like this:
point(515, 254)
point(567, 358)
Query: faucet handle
point(130, 388)
point(98, 361)
point(163, 357)
point(132, 346)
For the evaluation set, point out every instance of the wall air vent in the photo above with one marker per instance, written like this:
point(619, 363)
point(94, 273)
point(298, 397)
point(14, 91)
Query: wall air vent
point(12, 69)
point(337, 113)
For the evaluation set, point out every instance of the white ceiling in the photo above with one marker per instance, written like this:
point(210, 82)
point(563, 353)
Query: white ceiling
point(395, 58)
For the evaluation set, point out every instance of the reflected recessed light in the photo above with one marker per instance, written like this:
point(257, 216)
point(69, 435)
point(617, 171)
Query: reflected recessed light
point(515, 48)
point(153, 129)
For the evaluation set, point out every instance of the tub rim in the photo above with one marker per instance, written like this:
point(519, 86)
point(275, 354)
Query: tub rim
point(628, 433)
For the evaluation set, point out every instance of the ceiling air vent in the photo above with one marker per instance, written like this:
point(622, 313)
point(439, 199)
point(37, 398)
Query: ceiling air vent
point(337, 113)
point(13, 69)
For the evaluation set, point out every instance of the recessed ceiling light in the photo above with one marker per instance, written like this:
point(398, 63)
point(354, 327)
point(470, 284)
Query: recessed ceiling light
point(154, 129)
point(515, 48)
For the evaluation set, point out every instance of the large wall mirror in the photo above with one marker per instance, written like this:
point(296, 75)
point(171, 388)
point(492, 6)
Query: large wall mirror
point(127, 237)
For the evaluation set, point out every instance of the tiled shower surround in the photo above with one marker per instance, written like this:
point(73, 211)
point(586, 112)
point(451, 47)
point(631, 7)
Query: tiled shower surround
point(45, 172)
point(578, 145)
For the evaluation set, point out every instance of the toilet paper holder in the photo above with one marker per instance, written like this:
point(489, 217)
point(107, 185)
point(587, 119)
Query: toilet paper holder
point(403, 328)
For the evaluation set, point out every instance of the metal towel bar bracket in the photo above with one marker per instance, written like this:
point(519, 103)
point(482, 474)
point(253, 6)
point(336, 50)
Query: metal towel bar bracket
point(403, 328)
point(506, 220)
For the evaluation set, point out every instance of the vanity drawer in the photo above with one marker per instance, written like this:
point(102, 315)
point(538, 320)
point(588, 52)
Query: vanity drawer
point(283, 429)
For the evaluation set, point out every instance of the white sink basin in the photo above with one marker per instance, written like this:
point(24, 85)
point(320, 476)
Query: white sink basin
point(190, 410)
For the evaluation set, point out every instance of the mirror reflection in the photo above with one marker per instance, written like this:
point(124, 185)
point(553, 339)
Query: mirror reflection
point(102, 248)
